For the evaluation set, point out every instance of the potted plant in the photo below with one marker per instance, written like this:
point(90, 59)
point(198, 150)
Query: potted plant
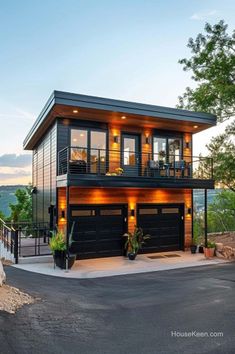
point(119, 171)
point(200, 245)
point(194, 243)
point(58, 247)
point(209, 251)
point(134, 242)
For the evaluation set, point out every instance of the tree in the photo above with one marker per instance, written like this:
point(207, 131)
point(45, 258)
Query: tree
point(22, 210)
point(213, 67)
point(221, 213)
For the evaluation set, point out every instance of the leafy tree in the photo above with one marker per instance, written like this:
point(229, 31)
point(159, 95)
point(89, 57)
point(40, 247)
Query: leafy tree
point(22, 210)
point(213, 68)
point(221, 213)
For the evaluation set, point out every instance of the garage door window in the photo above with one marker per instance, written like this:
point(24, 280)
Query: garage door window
point(170, 210)
point(148, 211)
point(106, 212)
point(83, 212)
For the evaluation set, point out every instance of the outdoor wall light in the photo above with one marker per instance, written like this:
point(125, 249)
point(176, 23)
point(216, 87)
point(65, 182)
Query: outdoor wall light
point(147, 140)
point(62, 214)
point(187, 144)
point(189, 211)
point(133, 212)
point(116, 139)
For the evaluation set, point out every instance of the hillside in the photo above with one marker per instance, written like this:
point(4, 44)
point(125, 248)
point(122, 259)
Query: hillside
point(7, 195)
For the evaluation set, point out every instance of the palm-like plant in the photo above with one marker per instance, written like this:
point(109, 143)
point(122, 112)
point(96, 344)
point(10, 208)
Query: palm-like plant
point(135, 240)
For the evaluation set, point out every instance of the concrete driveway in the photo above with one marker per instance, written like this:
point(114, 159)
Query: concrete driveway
point(134, 314)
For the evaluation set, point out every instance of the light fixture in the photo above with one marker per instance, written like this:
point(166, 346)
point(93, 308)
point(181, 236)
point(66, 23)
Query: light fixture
point(132, 212)
point(116, 139)
point(189, 211)
point(62, 214)
point(195, 126)
point(147, 140)
point(123, 117)
point(81, 134)
point(187, 144)
point(75, 111)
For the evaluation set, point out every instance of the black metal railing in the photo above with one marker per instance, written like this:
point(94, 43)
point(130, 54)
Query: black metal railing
point(82, 161)
point(24, 239)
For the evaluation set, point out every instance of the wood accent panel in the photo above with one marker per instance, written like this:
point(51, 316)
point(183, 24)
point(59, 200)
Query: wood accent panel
point(62, 206)
point(132, 197)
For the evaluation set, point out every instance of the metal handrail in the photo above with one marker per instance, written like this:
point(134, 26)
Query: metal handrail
point(171, 162)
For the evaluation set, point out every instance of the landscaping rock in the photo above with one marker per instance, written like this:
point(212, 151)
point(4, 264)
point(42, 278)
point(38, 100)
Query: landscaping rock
point(223, 251)
point(2, 274)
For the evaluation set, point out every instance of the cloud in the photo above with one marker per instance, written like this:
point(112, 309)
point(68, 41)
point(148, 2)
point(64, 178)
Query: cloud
point(18, 174)
point(200, 16)
point(13, 160)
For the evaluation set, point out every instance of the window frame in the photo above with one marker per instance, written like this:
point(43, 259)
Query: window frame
point(168, 136)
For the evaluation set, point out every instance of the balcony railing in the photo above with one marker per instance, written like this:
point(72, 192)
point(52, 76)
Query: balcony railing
point(104, 162)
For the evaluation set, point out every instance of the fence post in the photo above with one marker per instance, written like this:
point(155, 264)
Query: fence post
point(16, 247)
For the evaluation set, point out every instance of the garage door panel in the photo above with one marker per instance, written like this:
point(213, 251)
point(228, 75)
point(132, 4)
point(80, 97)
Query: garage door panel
point(99, 232)
point(163, 223)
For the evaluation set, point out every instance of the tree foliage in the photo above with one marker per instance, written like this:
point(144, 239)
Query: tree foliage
point(213, 67)
point(221, 150)
point(22, 210)
point(220, 217)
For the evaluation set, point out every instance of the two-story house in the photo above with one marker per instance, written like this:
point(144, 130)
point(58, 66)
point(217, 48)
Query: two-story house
point(109, 165)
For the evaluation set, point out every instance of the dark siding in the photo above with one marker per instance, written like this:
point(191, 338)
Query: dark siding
point(44, 176)
point(63, 134)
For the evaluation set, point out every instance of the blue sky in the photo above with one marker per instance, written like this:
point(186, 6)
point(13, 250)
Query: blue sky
point(120, 49)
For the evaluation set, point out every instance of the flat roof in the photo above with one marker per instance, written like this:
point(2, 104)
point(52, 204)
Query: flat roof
point(59, 98)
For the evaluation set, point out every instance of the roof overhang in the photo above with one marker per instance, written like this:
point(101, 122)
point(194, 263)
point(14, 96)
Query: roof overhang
point(63, 105)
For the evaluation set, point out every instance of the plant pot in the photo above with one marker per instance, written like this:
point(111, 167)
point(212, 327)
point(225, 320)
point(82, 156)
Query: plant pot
point(200, 249)
point(131, 256)
point(209, 252)
point(193, 249)
point(60, 260)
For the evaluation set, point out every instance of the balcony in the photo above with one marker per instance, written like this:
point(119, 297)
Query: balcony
point(80, 166)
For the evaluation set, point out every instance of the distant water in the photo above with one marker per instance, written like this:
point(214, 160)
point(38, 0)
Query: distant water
point(198, 197)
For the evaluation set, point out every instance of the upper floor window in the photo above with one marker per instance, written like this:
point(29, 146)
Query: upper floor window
point(167, 149)
point(89, 147)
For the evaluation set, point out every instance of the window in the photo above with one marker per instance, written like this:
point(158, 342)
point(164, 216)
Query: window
point(174, 149)
point(83, 212)
point(129, 151)
point(79, 145)
point(167, 149)
point(148, 211)
point(110, 212)
point(170, 210)
point(159, 148)
point(89, 146)
point(98, 151)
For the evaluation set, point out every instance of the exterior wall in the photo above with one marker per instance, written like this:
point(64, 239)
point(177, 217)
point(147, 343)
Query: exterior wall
point(130, 196)
point(44, 175)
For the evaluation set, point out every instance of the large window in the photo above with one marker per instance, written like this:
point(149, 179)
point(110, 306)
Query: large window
point(167, 149)
point(89, 147)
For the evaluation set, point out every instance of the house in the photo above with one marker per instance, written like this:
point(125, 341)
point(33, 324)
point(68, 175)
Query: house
point(107, 165)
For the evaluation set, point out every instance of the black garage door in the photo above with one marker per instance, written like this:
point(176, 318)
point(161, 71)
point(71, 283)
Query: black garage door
point(98, 230)
point(165, 225)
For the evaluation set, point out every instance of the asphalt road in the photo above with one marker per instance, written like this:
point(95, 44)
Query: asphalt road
point(134, 314)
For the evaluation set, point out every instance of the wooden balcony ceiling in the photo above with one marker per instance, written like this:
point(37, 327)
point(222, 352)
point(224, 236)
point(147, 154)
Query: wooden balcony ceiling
point(69, 105)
